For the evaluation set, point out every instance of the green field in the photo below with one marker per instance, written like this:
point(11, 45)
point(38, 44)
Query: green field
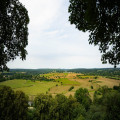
point(29, 87)
point(60, 84)
point(66, 81)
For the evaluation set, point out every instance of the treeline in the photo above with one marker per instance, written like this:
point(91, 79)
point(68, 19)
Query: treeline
point(5, 77)
point(37, 71)
point(104, 106)
point(34, 74)
point(99, 72)
point(28, 74)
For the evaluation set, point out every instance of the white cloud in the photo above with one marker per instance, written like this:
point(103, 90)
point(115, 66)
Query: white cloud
point(53, 42)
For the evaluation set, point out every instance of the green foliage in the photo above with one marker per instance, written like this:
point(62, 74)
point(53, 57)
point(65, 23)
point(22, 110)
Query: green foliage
point(101, 19)
point(31, 114)
point(112, 103)
point(13, 31)
point(95, 77)
point(96, 112)
point(100, 93)
point(82, 96)
point(21, 103)
point(7, 97)
point(42, 105)
point(58, 108)
point(90, 80)
point(106, 105)
point(72, 87)
point(116, 88)
point(76, 110)
point(13, 106)
point(91, 87)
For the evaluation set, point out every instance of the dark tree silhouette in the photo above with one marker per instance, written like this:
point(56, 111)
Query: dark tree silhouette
point(13, 31)
point(102, 19)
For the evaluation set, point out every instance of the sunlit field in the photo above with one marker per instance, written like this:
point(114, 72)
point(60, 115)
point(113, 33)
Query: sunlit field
point(60, 84)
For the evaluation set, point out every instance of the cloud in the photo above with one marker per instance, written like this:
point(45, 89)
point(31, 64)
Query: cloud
point(42, 12)
point(53, 42)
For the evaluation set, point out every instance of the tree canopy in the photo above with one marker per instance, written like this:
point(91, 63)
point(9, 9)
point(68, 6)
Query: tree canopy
point(13, 105)
point(102, 19)
point(13, 31)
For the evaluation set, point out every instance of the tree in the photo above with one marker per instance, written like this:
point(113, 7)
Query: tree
point(96, 112)
point(42, 104)
point(13, 31)
point(76, 110)
point(112, 103)
point(82, 96)
point(21, 105)
point(102, 19)
point(13, 105)
point(6, 103)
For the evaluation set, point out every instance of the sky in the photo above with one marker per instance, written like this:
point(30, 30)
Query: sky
point(53, 42)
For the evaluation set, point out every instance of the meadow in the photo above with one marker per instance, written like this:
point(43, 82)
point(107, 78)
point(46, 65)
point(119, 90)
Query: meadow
point(60, 83)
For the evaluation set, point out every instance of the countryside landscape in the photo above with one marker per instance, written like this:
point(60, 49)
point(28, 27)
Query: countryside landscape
point(58, 82)
point(60, 77)
point(61, 94)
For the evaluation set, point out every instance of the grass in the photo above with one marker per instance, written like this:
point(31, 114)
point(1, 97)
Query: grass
point(86, 77)
point(17, 83)
point(29, 87)
point(66, 81)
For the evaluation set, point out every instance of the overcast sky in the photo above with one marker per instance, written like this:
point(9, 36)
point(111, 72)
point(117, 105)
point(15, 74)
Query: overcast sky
point(53, 42)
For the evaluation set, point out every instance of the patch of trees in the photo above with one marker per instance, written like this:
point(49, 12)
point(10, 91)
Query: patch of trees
point(105, 105)
point(58, 108)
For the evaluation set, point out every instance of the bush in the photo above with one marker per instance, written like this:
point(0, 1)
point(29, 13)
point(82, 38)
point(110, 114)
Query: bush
point(90, 80)
point(72, 87)
point(91, 87)
point(116, 88)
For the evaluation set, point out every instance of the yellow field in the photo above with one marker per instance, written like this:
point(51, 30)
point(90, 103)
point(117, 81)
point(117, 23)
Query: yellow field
point(84, 83)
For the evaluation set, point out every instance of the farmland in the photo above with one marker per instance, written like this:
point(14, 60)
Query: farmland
point(82, 95)
point(60, 83)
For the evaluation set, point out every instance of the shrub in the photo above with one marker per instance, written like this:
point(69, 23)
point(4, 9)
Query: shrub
point(91, 87)
point(72, 87)
point(90, 80)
